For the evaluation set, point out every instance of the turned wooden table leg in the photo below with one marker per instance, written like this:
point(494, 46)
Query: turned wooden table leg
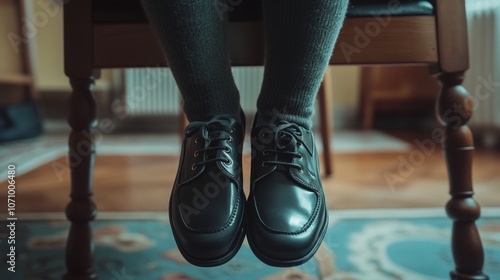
point(81, 209)
point(326, 124)
point(454, 110)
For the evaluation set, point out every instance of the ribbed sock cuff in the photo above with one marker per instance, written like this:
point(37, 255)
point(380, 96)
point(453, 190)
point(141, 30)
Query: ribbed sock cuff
point(300, 36)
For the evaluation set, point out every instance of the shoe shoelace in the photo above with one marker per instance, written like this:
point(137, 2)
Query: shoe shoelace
point(287, 138)
point(216, 133)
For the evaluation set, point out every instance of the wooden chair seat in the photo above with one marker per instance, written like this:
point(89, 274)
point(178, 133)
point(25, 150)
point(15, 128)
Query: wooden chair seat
point(130, 11)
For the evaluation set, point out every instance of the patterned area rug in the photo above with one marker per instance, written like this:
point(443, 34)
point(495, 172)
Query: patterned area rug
point(360, 244)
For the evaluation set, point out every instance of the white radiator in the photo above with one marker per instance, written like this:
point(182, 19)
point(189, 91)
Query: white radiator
point(153, 91)
point(483, 77)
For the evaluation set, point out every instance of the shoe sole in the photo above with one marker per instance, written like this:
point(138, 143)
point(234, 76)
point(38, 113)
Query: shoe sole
point(208, 262)
point(288, 263)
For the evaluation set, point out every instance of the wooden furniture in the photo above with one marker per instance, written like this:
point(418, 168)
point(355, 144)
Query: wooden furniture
point(19, 115)
point(395, 90)
point(438, 39)
point(22, 45)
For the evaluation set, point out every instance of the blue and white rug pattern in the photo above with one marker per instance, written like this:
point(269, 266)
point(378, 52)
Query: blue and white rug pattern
point(401, 245)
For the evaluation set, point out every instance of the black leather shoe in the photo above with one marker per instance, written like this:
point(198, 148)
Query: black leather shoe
point(207, 202)
point(287, 216)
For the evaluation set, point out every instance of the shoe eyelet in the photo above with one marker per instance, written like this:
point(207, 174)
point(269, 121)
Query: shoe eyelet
point(299, 144)
point(196, 140)
point(230, 139)
point(265, 153)
point(231, 131)
point(228, 162)
point(194, 166)
point(300, 157)
point(227, 149)
point(301, 170)
point(264, 164)
point(196, 153)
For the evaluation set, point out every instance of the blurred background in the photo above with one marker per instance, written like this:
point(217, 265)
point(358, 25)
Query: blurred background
point(381, 116)
point(378, 112)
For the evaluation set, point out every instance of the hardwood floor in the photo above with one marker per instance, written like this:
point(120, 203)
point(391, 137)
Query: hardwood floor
point(143, 183)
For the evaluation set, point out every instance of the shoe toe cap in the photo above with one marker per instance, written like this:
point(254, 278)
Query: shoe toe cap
point(209, 246)
point(282, 247)
point(211, 232)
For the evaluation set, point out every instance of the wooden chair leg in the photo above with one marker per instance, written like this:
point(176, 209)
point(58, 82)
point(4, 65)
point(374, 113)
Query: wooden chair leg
point(368, 114)
point(366, 106)
point(454, 109)
point(81, 209)
point(326, 123)
point(183, 122)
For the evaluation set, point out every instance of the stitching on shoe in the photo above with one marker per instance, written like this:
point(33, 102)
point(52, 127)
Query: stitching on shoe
point(229, 222)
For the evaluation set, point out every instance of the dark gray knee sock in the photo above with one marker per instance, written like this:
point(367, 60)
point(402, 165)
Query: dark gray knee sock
point(300, 35)
point(194, 38)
